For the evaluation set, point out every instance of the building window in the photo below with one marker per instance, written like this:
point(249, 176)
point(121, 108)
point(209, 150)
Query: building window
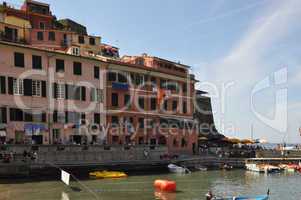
point(115, 120)
point(165, 105)
point(122, 77)
point(18, 86)
point(96, 118)
point(19, 59)
point(36, 62)
point(3, 115)
point(56, 135)
point(15, 115)
point(81, 39)
point(163, 84)
point(76, 51)
point(96, 72)
point(96, 95)
point(184, 88)
point(60, 91)
point(153, 104)
point(36, 88)
point(11, 34)
point(60, 65)
point(77, 68)
point(154, 81)
point(40, 35)
point(42, 25)
point(141, 102)
point(51, 36)
point(2, 84)
point(72, 117)
point(174, 106)
point(76, 92)
point(114, 99)
point(141, 122)
point(92, 41)
point(112, 76)
point(139, 79)
point(184, 107)
point(127, 99)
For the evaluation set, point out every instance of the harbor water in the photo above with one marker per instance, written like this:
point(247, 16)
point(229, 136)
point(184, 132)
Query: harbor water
point(140, 187)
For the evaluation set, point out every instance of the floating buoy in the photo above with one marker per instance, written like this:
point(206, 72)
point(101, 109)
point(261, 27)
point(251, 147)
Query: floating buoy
point(166, 186)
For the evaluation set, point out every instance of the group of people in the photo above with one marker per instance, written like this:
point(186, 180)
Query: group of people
point(31, 155)
point(7, 157)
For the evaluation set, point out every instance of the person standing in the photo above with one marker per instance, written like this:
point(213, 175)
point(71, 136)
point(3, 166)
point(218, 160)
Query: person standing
point(209, 195)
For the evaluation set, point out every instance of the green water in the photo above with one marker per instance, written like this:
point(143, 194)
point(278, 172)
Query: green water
point(190, 187)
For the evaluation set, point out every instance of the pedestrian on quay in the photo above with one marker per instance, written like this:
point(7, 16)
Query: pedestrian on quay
point(209, 195)
point(24, 156)
point(11, 154)
point(35, 156)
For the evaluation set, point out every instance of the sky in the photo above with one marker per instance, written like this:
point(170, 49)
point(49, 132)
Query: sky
point(245, 53)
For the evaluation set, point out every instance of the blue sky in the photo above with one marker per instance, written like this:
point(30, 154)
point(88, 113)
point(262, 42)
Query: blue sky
point(234, 42)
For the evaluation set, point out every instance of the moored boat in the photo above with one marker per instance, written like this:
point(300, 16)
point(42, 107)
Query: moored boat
point(263, 168)
point(260, 197)
point(255, 168)
point(107, 174)
point(176, 169)
point(271, 169)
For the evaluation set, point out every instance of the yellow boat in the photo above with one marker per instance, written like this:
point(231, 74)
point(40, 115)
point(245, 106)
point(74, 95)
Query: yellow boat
point(107, 174)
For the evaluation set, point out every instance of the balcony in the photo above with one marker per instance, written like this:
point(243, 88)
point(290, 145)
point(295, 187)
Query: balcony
point(12, 38)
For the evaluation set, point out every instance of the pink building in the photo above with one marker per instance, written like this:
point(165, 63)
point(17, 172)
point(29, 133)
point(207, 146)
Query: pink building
point(60, 85)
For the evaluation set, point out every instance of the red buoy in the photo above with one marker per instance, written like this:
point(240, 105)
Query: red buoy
point(166, 186)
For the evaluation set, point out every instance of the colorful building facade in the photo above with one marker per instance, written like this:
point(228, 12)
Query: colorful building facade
point(61, 86)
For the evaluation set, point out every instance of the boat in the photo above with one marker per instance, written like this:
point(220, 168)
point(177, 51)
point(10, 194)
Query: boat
point(255, 168)
point(201, 168)
point(271, 169)
point(263, 168)
point(290, 167)
point(107, 174)
point(226, 167)
point(261, 197)
point(176, 169)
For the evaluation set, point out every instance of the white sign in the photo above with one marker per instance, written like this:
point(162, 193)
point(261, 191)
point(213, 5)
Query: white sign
point(65, 177)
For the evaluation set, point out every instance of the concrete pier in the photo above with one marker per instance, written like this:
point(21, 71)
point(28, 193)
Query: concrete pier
point(78, 157)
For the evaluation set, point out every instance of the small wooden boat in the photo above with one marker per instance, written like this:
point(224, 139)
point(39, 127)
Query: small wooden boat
point(200, 168)
point(176, 169)
point(107, 174)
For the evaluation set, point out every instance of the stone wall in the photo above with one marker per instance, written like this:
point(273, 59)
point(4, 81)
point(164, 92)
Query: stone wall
point(80, 155)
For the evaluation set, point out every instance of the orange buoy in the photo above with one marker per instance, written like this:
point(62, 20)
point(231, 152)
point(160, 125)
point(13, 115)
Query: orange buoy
point(166, 186)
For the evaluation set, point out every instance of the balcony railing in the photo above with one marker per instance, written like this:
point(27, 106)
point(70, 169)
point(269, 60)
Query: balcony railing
point(7, 38)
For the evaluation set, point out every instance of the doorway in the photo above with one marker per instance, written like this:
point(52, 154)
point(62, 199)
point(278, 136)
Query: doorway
point(37, 139)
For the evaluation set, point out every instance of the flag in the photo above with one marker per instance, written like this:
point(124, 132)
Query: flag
point(160, 95)
point(65, 177)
